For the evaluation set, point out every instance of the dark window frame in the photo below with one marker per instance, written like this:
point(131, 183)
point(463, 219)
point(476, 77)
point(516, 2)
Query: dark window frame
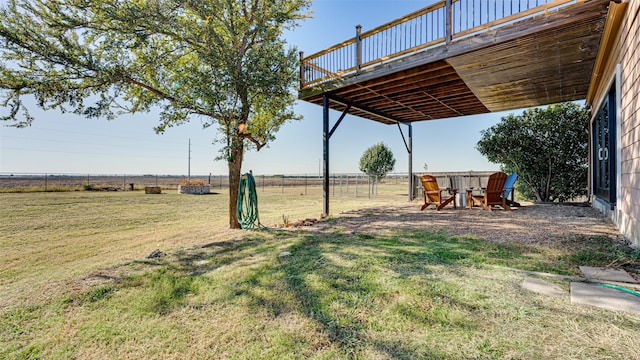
point(604, 149)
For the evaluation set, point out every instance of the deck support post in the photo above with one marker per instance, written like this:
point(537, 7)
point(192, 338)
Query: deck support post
point(410, 165)
point(408, 144)
point(325, 156)
point(326, 136)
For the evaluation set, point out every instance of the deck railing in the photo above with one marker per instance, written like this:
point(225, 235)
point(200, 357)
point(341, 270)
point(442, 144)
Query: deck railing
point(442, 23)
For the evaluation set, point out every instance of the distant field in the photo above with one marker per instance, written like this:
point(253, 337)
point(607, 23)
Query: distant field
point(48, 182)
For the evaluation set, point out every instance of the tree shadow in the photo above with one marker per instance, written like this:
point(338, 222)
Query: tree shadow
point(338, 289)
point(342, 282)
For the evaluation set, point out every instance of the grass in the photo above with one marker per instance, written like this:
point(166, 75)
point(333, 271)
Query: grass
point(33, 189)
point(227, 294)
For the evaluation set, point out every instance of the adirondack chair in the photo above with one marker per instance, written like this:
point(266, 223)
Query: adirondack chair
point(433, 194)
point(494, 193)
point(509, 190)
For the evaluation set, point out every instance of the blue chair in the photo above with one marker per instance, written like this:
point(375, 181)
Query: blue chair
point(508, 189)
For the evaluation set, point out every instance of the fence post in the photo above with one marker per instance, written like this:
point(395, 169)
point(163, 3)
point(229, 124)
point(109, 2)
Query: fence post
point(358, 48)
point(45, 182)
point(357, 184)
point(334, 185)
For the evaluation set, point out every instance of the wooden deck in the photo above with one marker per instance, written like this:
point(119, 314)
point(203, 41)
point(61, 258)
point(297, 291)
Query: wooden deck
point(458, 57)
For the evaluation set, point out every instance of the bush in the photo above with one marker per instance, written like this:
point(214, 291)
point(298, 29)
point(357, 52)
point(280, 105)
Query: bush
point(546, 147)
point(377, 161)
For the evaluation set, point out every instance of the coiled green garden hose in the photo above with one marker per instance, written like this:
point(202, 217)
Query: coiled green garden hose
point(247, 205)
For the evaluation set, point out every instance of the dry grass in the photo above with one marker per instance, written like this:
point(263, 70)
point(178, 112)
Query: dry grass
point(377, 280)
point(49, 240)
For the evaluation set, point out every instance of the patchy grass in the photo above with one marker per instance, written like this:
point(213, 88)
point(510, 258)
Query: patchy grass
point(598, 251)
point(49, 240)
point(222, 294)
point(33, 189)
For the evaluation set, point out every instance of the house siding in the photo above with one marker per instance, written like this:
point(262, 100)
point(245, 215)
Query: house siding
point(630, 102)
point(626, 53)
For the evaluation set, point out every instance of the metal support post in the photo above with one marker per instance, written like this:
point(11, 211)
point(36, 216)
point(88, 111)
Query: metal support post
point(325, 155)
point(410, 151)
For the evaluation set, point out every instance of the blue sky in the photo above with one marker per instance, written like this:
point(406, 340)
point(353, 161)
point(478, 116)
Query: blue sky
point(66, 143)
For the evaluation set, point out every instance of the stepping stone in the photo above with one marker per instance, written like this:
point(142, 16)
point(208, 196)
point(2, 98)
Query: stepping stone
point(607, 274)
point(542, 287)
point(602, 297)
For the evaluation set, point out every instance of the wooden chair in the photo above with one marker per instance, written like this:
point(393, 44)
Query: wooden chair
point(433, 195)
point(494, 193)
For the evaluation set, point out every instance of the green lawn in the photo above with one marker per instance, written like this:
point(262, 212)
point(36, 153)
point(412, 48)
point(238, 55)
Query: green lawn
point(75, 284)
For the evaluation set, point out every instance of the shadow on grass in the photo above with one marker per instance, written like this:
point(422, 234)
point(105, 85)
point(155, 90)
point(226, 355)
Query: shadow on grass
point(337, 282)
point(174, 277)
point(356, 289)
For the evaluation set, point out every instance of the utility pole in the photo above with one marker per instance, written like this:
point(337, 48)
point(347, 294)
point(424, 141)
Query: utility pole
point(189, 162)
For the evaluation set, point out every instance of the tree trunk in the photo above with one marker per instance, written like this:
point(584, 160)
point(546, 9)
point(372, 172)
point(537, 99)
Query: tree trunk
point(547, 188)
point(235, 166)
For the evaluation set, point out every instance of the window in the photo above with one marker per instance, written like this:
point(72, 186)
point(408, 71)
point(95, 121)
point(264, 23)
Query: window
point(604, 149)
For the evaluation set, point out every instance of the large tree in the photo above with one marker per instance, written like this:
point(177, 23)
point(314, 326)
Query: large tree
point(222, 60)
point(546, 147)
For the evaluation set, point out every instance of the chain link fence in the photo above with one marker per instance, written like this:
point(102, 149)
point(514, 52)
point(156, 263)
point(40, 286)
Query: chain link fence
point(353, 185)
point(358, 185)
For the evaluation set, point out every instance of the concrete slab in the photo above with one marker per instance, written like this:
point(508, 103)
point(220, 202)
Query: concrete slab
point(606, 274)
point(602, 297)
point(542, 287)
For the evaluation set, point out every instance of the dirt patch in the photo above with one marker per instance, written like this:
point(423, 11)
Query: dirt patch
point(542, 224)
point(530, 224)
